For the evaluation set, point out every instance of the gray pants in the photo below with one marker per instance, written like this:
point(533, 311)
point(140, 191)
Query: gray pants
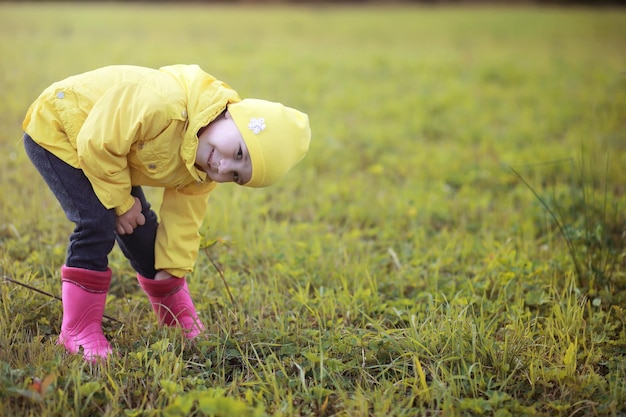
point(94, 235)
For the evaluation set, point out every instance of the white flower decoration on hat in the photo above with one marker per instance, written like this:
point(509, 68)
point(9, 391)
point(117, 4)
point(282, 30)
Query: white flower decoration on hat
point(256, 125)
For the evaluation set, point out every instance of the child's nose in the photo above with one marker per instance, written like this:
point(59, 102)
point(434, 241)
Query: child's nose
point(223, 166)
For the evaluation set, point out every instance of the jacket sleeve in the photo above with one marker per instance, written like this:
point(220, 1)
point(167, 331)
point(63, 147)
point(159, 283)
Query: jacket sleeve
point(178, 237)
point(124, 114)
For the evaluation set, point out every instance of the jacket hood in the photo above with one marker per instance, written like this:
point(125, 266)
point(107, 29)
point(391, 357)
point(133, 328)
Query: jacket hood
point(207, 98)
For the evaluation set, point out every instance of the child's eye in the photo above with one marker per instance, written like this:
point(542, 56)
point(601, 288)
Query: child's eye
point(239, 154)
point(236, 177)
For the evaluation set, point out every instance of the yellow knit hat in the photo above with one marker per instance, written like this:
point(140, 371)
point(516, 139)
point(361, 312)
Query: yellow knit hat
point(277, 137)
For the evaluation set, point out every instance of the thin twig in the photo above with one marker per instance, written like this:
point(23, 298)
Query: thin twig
point(561, 226)
point(30, 287)
point(219, 271)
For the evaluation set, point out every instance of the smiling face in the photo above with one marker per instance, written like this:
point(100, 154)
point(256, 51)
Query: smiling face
point(222, 152)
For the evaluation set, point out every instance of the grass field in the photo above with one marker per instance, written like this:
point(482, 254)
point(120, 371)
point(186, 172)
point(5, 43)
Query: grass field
point(453, 244)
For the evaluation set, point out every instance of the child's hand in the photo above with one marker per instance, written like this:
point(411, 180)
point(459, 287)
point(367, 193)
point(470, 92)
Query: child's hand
point(128, 222)
point(162, 275)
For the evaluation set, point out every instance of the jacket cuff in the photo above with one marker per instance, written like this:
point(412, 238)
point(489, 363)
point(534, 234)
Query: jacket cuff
point(177, 273)
point(127, 205)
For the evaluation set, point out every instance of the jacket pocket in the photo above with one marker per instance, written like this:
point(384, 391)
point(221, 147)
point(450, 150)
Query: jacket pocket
point(151, 158)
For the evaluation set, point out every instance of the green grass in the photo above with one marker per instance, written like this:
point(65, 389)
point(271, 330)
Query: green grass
point(403, 268)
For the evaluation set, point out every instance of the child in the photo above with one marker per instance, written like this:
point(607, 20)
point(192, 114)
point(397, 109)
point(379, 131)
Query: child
point(97, 137)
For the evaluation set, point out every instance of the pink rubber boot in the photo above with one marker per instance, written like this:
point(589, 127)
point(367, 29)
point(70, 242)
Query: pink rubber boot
point(84, 294)
point(172, 304)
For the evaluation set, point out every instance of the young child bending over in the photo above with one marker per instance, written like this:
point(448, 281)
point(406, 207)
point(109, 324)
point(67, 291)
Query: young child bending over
point(97, 137)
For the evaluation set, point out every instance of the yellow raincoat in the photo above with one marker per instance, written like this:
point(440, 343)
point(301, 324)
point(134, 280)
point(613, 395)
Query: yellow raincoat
point(126, 126)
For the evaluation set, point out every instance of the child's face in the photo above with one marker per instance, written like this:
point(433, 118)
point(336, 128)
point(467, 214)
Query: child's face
point(222, 153)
